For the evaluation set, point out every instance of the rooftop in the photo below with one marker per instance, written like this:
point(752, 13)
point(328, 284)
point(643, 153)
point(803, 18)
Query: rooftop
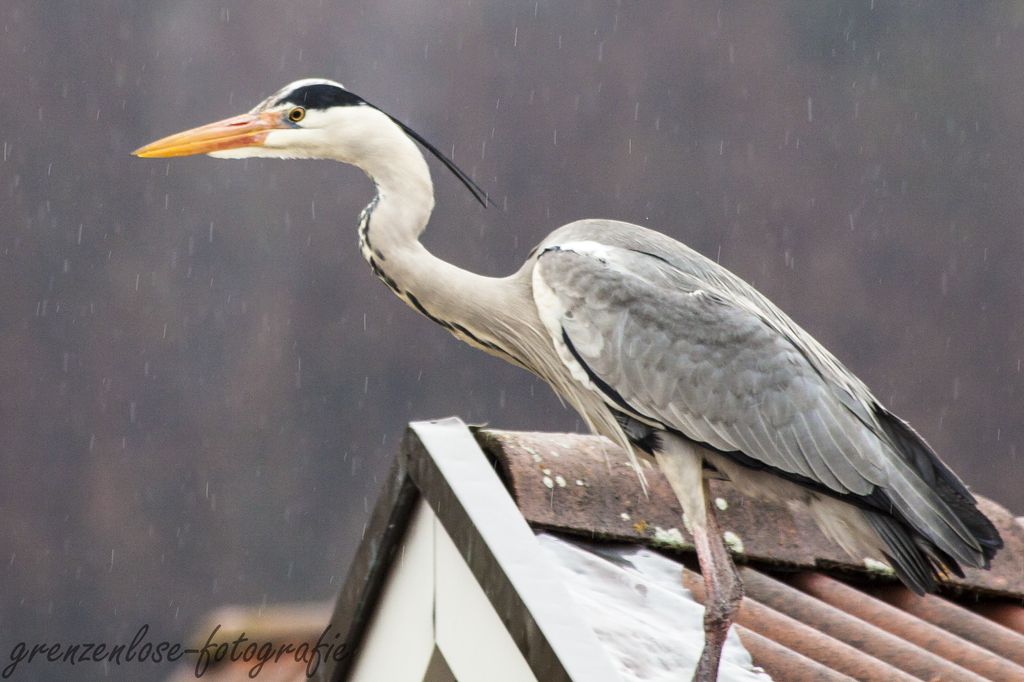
point(586, 577)
point(804, 595)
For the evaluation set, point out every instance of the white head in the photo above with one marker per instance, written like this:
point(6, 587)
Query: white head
point(311, 118)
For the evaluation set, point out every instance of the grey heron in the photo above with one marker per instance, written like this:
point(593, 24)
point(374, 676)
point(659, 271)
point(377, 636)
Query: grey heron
point(658, 348)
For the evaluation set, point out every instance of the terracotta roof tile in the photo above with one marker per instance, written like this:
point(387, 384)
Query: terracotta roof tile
point(926, 635)
point(846, 627)
point(958, 620)
point(783, 663)
point(1009, 615)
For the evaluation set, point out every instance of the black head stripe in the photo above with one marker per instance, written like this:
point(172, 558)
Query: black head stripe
point(327, 95)
point(321, 96)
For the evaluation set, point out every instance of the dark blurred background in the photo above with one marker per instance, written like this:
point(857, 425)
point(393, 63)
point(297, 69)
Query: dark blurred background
point(202, 383)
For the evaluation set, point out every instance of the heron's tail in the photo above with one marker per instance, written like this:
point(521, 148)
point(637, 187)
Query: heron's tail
point(922, 555)
point(917, 561)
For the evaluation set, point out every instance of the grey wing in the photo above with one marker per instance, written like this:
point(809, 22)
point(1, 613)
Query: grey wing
point(673, 350)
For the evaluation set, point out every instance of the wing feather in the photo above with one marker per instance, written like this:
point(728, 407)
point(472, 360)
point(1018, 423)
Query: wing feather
point(803, 436)
point(771, 437)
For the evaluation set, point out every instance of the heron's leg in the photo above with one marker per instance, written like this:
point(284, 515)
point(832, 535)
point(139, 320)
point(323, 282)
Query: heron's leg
point(682, 463)
point(722, 586)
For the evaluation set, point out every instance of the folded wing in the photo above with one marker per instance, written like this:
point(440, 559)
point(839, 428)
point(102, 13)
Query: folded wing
point(684, 350)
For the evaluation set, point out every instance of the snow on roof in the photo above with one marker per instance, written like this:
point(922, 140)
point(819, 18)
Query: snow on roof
point(648, 623)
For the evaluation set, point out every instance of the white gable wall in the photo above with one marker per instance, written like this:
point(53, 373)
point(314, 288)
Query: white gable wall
point(399, 641)
point(430, 598)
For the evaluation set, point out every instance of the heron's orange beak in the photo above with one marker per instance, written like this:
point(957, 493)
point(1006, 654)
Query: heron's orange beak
point(247, 130)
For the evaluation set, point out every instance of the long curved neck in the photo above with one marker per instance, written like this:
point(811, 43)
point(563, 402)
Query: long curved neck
point(389, 230)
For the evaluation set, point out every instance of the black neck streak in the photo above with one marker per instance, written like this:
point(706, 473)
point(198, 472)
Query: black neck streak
point(376, 258)
point(372, 255)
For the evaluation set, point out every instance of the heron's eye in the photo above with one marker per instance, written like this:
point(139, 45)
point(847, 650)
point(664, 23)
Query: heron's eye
point(296, 114)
